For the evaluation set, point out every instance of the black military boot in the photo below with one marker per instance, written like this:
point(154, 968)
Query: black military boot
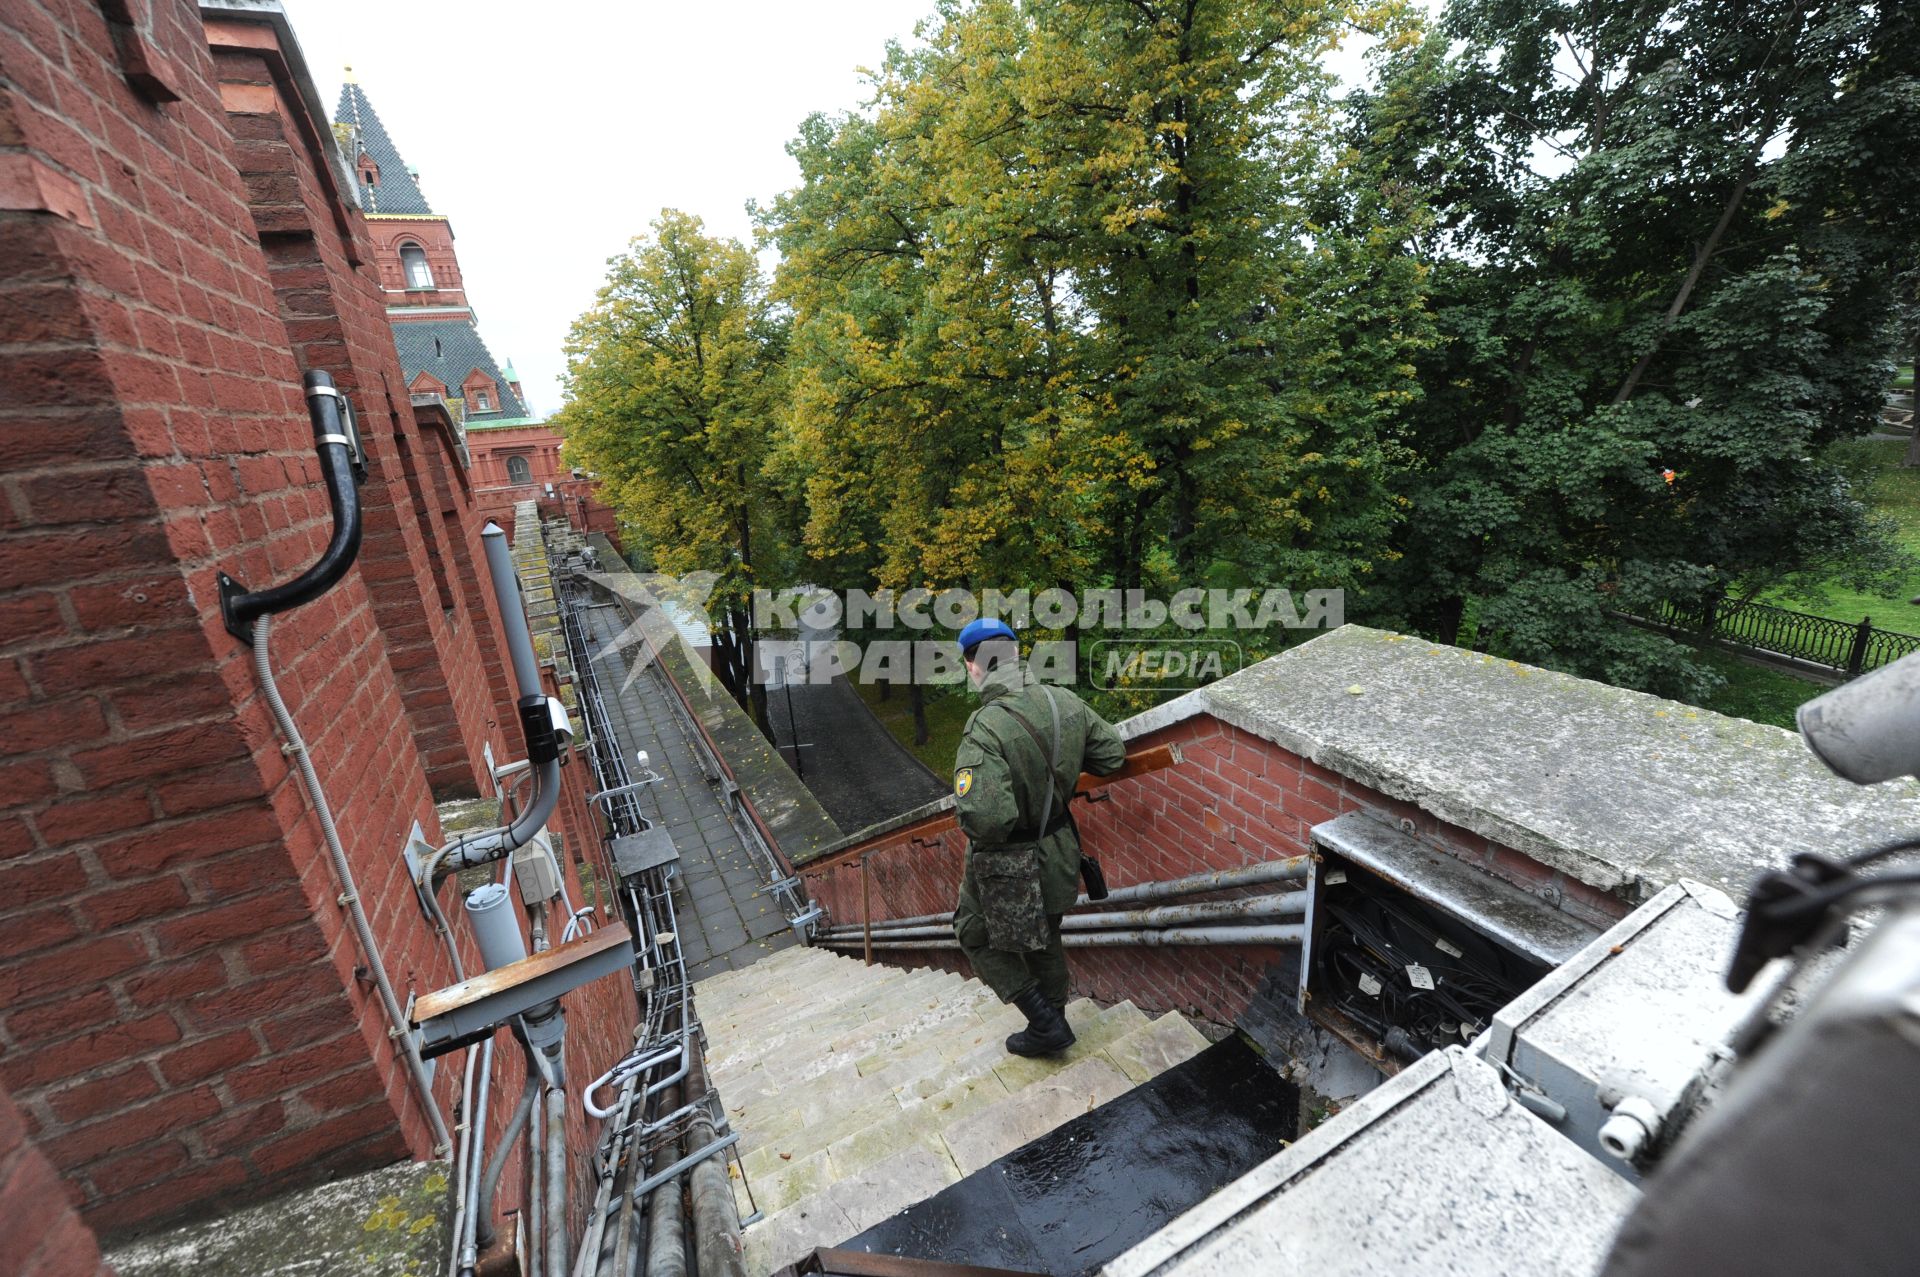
point(1047, 1031)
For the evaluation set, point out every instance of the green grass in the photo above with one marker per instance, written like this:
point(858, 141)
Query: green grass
point(1896, 492)
point(1903, 380)
point(1754, 692)
point(947, 712)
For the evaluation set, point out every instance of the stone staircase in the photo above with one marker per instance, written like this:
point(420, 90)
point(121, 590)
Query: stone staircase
point(859, 1091)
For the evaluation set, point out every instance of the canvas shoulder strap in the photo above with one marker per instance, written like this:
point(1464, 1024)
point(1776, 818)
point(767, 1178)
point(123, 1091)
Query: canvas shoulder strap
point(1052, 755)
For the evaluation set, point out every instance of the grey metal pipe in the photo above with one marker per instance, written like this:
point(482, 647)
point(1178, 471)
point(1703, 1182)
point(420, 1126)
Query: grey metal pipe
point(587, 1263)
point(556, 1168)
point(490, 844)
point(1292, 869)
point(474, 1152)
point(1279, 905)
point(497, 1164)
point(716, 1221)
point(349, 892)
point(1281, 934)
point(666, 1230)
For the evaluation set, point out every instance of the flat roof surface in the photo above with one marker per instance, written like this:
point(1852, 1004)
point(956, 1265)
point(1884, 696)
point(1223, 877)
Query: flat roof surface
point(1618, 789)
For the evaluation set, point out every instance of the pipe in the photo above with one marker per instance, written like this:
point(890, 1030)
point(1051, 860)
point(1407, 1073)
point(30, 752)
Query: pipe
point(349, 894)
point(536, 723)
point(1288, 933)
point(475, 1149)
point(530, 1192)
point(716, 1221)
point(240, 608)
point(1280, 905)
point(460, 1165)
point(588, 1261)
point(1292, 869)
point(666, 1230)
point(497, 1164)
point(556, 1167)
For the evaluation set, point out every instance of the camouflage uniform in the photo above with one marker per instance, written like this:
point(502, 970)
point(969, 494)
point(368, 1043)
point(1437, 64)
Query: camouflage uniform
point(1017, 885)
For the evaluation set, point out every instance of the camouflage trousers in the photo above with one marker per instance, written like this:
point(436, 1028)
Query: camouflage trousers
point(1039, 958)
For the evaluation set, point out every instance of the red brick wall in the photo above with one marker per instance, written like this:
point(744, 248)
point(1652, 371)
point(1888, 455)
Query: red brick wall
point(336, 317)
point(1235, 800)
point(45, 1238)
point(182, 1024)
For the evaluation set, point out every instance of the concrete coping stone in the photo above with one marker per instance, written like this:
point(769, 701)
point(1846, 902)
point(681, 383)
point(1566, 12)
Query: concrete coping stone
point(1620, 790)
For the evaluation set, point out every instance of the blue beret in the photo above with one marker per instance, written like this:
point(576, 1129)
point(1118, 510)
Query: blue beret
point(978, 632)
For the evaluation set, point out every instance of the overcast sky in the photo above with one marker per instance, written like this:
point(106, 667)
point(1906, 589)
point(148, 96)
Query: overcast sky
point(552, 134)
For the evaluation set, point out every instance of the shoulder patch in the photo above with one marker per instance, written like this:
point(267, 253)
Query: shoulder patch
point(962, 782)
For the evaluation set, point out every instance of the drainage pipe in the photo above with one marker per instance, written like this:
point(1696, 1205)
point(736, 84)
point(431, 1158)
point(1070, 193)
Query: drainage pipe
point(1284, 934)
point(536, 721)
point(555, 1159)
point(716, 1222)
point(349, 894)
point(666, 1230)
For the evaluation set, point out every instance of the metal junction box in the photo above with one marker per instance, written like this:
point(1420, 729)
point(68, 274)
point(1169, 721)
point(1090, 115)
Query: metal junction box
point(1637, 1013)
point(1409, 949)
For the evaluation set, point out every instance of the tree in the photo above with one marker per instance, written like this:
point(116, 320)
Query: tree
point(674, 385)
point(1667, 237)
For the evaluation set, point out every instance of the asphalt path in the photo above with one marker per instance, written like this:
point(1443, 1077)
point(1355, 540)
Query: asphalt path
point(853, 765)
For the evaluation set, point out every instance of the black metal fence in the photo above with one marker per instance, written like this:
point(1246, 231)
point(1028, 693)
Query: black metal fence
point(1848, 648)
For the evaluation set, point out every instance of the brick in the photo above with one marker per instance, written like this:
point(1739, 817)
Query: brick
point(30, 616)
point(16, 837)
point(54, 1019)
point(283, 1073)
point(235, 921)
point(203, 1059)
point(149, 601)
point(47, 726)
point(138, 1167)
point(36, 931)
point(197, 838)
point(237, 1131)
point(25, 882)
point(90, 1050)
point(114, 1092)
point(82, 816)
point(75, 967)
point(209, 788)
point(166, 1199)
point(121, 906)
point(245, 1004)
point(163, 754)
point(173, 983)
point(88, 497)
point(332, 1138)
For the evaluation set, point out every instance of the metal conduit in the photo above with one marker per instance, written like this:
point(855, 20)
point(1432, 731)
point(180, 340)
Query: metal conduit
point(716, 1221)
point(1293, 869)
point(1282, 934)
point(1281, 905)
point(666, 1231)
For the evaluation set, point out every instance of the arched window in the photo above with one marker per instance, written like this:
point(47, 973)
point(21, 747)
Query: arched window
point(413, 259)
point(482, 401)
point(518, 471)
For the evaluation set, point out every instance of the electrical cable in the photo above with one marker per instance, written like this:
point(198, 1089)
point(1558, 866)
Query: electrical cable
point(349, 893)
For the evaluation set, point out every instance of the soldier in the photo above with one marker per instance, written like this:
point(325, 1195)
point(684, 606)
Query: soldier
point(1013, 779)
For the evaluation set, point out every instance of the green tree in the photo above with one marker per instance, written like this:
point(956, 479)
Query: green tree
point(1666, 245)
point(674, 388)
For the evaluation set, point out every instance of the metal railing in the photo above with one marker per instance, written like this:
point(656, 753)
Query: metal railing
point(1847, 648)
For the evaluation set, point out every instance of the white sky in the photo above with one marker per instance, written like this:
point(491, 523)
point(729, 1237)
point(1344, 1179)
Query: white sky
point(553, 134)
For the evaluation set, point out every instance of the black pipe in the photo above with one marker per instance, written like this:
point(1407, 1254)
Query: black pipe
point(239, 607)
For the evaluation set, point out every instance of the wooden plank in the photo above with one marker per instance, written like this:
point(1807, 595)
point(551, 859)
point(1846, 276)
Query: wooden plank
point(440, 1001)
point(1139, 763)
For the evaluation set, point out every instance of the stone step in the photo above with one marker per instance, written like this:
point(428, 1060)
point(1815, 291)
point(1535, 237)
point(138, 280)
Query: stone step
point(858, 1091)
